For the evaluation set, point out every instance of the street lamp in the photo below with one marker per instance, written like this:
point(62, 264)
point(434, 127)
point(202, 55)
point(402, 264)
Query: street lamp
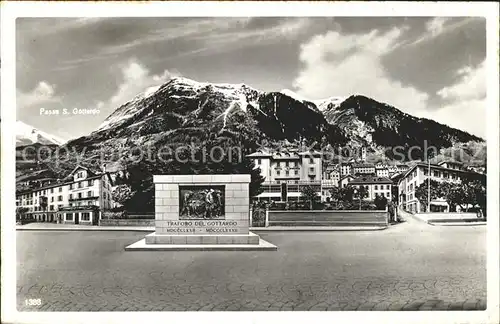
point(429, 185)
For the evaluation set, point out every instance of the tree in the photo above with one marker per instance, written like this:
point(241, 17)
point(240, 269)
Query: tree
point(380, 201)
point(21, 213)
point(336, 194)
point(347, 194)
point(361, 192)
point(122, 193)
point(447, 191)
point(421, 192)
point(309, 194)
point(478, 195)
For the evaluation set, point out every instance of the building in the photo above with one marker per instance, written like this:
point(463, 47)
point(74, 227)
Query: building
point(402, 167)
point(344, 181)
point(375, 186)
point(285, 172)
point(382, 171)
point(78, 199)
point(363, 168)
point(345, 168)
point(451, 165)
point(331, 178)
point(332, 174)
point(418, 173)
point(393, 169)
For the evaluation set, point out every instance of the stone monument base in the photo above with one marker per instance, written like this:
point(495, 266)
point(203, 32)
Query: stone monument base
point(237, 242)
point(155, 238)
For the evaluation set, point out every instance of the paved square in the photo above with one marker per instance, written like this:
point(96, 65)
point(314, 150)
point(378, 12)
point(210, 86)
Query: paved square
point(410, 266)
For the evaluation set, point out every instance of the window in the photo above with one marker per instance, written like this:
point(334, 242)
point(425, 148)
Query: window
point(59, 198)
point(287, 173)
point(51, 199)
point(70, 186)
point(80, 184)
point(90, 202)
point(85, 217)
point(51, 190)
point(104, 195)
point(376, 187)
point(436, 173)
point(387, 194)
point(388, 187)
point(60, 189)
point(296, 172)
point(70, 196)
point(286, 164)
point(89, 193)
point(51, 207)
point(79, 195)
point(69, 216)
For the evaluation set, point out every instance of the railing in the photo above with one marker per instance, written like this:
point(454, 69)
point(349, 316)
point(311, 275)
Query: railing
point(299, 182)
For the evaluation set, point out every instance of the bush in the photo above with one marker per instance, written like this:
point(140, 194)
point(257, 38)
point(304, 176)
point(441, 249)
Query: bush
point(114, 214)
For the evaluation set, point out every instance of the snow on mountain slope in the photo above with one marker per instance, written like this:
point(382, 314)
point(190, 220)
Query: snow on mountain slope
point(26, 134)
point(294, 95)
point(183, 88)
point(329, 103)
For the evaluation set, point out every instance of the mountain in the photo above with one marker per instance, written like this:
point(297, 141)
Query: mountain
point(26, 135)
point(384, 128)
point(186, 112)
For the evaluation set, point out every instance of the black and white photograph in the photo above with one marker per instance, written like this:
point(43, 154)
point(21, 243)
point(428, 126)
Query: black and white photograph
point(225, 163)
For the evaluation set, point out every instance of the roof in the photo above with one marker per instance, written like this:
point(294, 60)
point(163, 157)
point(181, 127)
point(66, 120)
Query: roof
point(285, 155)
point(259, 153)
point(450, 162)
point(371, 179)
point(311, 152)
point(59, 184)
point(433, 166)
point(78, 167)
point(363, 165)
point(346, 176)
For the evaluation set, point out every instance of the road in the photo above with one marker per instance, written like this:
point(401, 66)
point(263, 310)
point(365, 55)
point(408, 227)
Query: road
point(410, 266)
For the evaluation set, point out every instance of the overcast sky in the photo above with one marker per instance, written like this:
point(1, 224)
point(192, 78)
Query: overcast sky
point(428, 67)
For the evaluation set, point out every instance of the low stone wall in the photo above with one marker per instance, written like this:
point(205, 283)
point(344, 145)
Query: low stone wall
point(327, 218)
point(447, 217)
point(127, 222)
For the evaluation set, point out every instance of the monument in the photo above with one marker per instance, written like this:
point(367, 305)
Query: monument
point(202, 212)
